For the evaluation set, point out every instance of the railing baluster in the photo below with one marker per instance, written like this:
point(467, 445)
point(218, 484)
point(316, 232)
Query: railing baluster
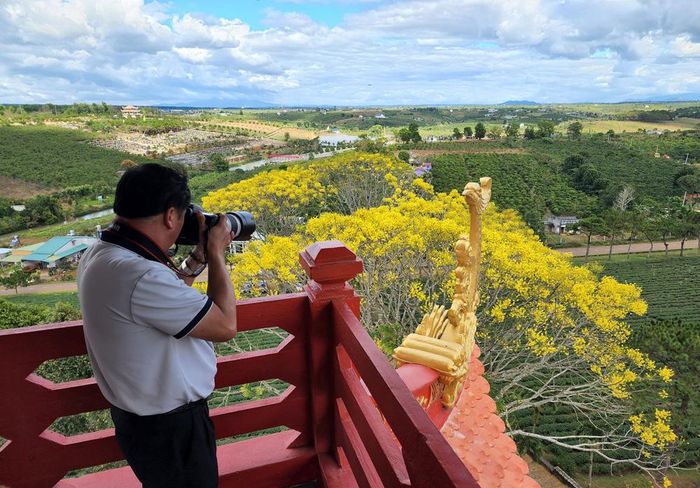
point(383, 448)
point(429, 458)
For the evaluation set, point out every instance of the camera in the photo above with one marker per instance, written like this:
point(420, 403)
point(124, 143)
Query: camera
point(242, 225)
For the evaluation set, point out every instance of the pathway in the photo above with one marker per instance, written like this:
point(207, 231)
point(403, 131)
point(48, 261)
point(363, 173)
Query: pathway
point(62, 287)
point(690, 245)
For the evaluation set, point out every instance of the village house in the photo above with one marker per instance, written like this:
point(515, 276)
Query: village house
point(50, 254)
point(333, 140)
point(557, 224)
point(131, 112)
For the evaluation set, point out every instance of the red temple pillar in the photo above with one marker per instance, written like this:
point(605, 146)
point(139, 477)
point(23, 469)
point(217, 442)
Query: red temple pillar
point(329, 266)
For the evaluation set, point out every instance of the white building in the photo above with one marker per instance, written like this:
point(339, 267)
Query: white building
point(557, 224)
point(333, 140)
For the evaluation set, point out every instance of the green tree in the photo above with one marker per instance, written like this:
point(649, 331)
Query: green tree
point(616, 223)
point(404, 156)
point(667, 224)
point(218, 162)
point(376, 131)
point(16, 278)
point(591, 226)
point(687, 223)
point(479, 130)
point(43, 210)
point(529, 133)
point(689, 183)
point(573, 162)
point(645, 214)
point(512, 131)
point(574, 130)
point(468, 131)
point(413, 131)
point(588, 179)
point(404, 135)
point(545, 128)
point(456, 133)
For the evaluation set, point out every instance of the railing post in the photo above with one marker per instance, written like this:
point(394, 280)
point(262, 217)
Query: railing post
point(329, 265)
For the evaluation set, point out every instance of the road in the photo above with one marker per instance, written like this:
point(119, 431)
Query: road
point(622, 248)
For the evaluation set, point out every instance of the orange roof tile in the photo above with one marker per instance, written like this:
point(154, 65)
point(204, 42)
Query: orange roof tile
point(477, 434)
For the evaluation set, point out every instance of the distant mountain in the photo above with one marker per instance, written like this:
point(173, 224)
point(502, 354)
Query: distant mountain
point(217, 104)
point(519, 102)
point(678, 97)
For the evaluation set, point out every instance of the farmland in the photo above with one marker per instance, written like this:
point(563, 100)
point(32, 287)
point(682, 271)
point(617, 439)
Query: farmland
point(56, 158)
point(670, 286)
point(632, 126)
point(261, 129)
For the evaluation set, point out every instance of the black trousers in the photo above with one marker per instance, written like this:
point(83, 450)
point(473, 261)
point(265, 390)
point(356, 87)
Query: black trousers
point(175, 449)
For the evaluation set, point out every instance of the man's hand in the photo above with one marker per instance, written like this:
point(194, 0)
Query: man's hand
point(198, 251)
point(219, 237)
point(219, 324)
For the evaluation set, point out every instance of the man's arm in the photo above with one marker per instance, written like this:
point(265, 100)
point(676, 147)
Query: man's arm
point(219, 324)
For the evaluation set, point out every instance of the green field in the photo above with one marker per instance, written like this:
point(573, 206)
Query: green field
point(45, 299)
point(670, 286)
point(57, 158)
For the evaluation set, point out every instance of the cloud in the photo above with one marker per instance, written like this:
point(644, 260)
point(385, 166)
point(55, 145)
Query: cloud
point(392, 52)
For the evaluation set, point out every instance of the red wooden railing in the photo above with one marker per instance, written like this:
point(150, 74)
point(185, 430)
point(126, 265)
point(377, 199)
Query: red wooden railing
point(351, 420)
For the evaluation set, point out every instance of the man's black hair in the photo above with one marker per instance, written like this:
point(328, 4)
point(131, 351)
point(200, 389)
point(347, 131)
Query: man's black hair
point(151, 189)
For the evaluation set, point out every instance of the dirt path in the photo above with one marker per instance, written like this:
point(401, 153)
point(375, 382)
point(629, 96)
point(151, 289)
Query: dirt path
point(690, 246)
point(475, 150)
point(63, 286)
point(542, 475)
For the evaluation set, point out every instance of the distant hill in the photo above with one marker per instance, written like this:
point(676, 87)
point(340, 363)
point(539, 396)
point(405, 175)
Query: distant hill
point(519, 102)
point(236, 104)
point(678, 97)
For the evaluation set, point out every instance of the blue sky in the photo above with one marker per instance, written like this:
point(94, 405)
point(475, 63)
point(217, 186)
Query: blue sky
point(362, 52)
point(253, 11)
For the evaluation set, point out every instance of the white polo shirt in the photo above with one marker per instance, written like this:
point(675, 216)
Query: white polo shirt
point(137, 316)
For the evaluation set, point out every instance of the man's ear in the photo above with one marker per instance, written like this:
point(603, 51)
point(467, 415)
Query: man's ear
point(171, 217)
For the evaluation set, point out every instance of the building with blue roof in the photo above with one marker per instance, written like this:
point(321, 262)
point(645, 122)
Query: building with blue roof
point(57, 250)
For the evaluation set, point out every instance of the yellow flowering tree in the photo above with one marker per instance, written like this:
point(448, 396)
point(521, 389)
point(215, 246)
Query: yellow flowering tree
point(281, 200)
point(551, 333)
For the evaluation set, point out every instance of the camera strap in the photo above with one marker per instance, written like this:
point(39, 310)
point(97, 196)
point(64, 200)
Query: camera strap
point(124, 236)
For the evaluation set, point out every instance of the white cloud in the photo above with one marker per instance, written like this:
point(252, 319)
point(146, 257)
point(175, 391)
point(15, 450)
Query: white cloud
point(443, 51)
point(193, 54)
point(683, 46)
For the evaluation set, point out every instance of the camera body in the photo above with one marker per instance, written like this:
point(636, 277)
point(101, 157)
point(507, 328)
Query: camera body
point(242, 225)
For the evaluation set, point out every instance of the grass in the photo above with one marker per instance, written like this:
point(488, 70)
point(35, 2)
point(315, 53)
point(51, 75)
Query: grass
point(44, 299)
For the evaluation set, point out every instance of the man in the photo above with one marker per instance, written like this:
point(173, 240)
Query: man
point(148, 332)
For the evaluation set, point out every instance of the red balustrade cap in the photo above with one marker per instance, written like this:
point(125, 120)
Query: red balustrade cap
point(330, 262)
